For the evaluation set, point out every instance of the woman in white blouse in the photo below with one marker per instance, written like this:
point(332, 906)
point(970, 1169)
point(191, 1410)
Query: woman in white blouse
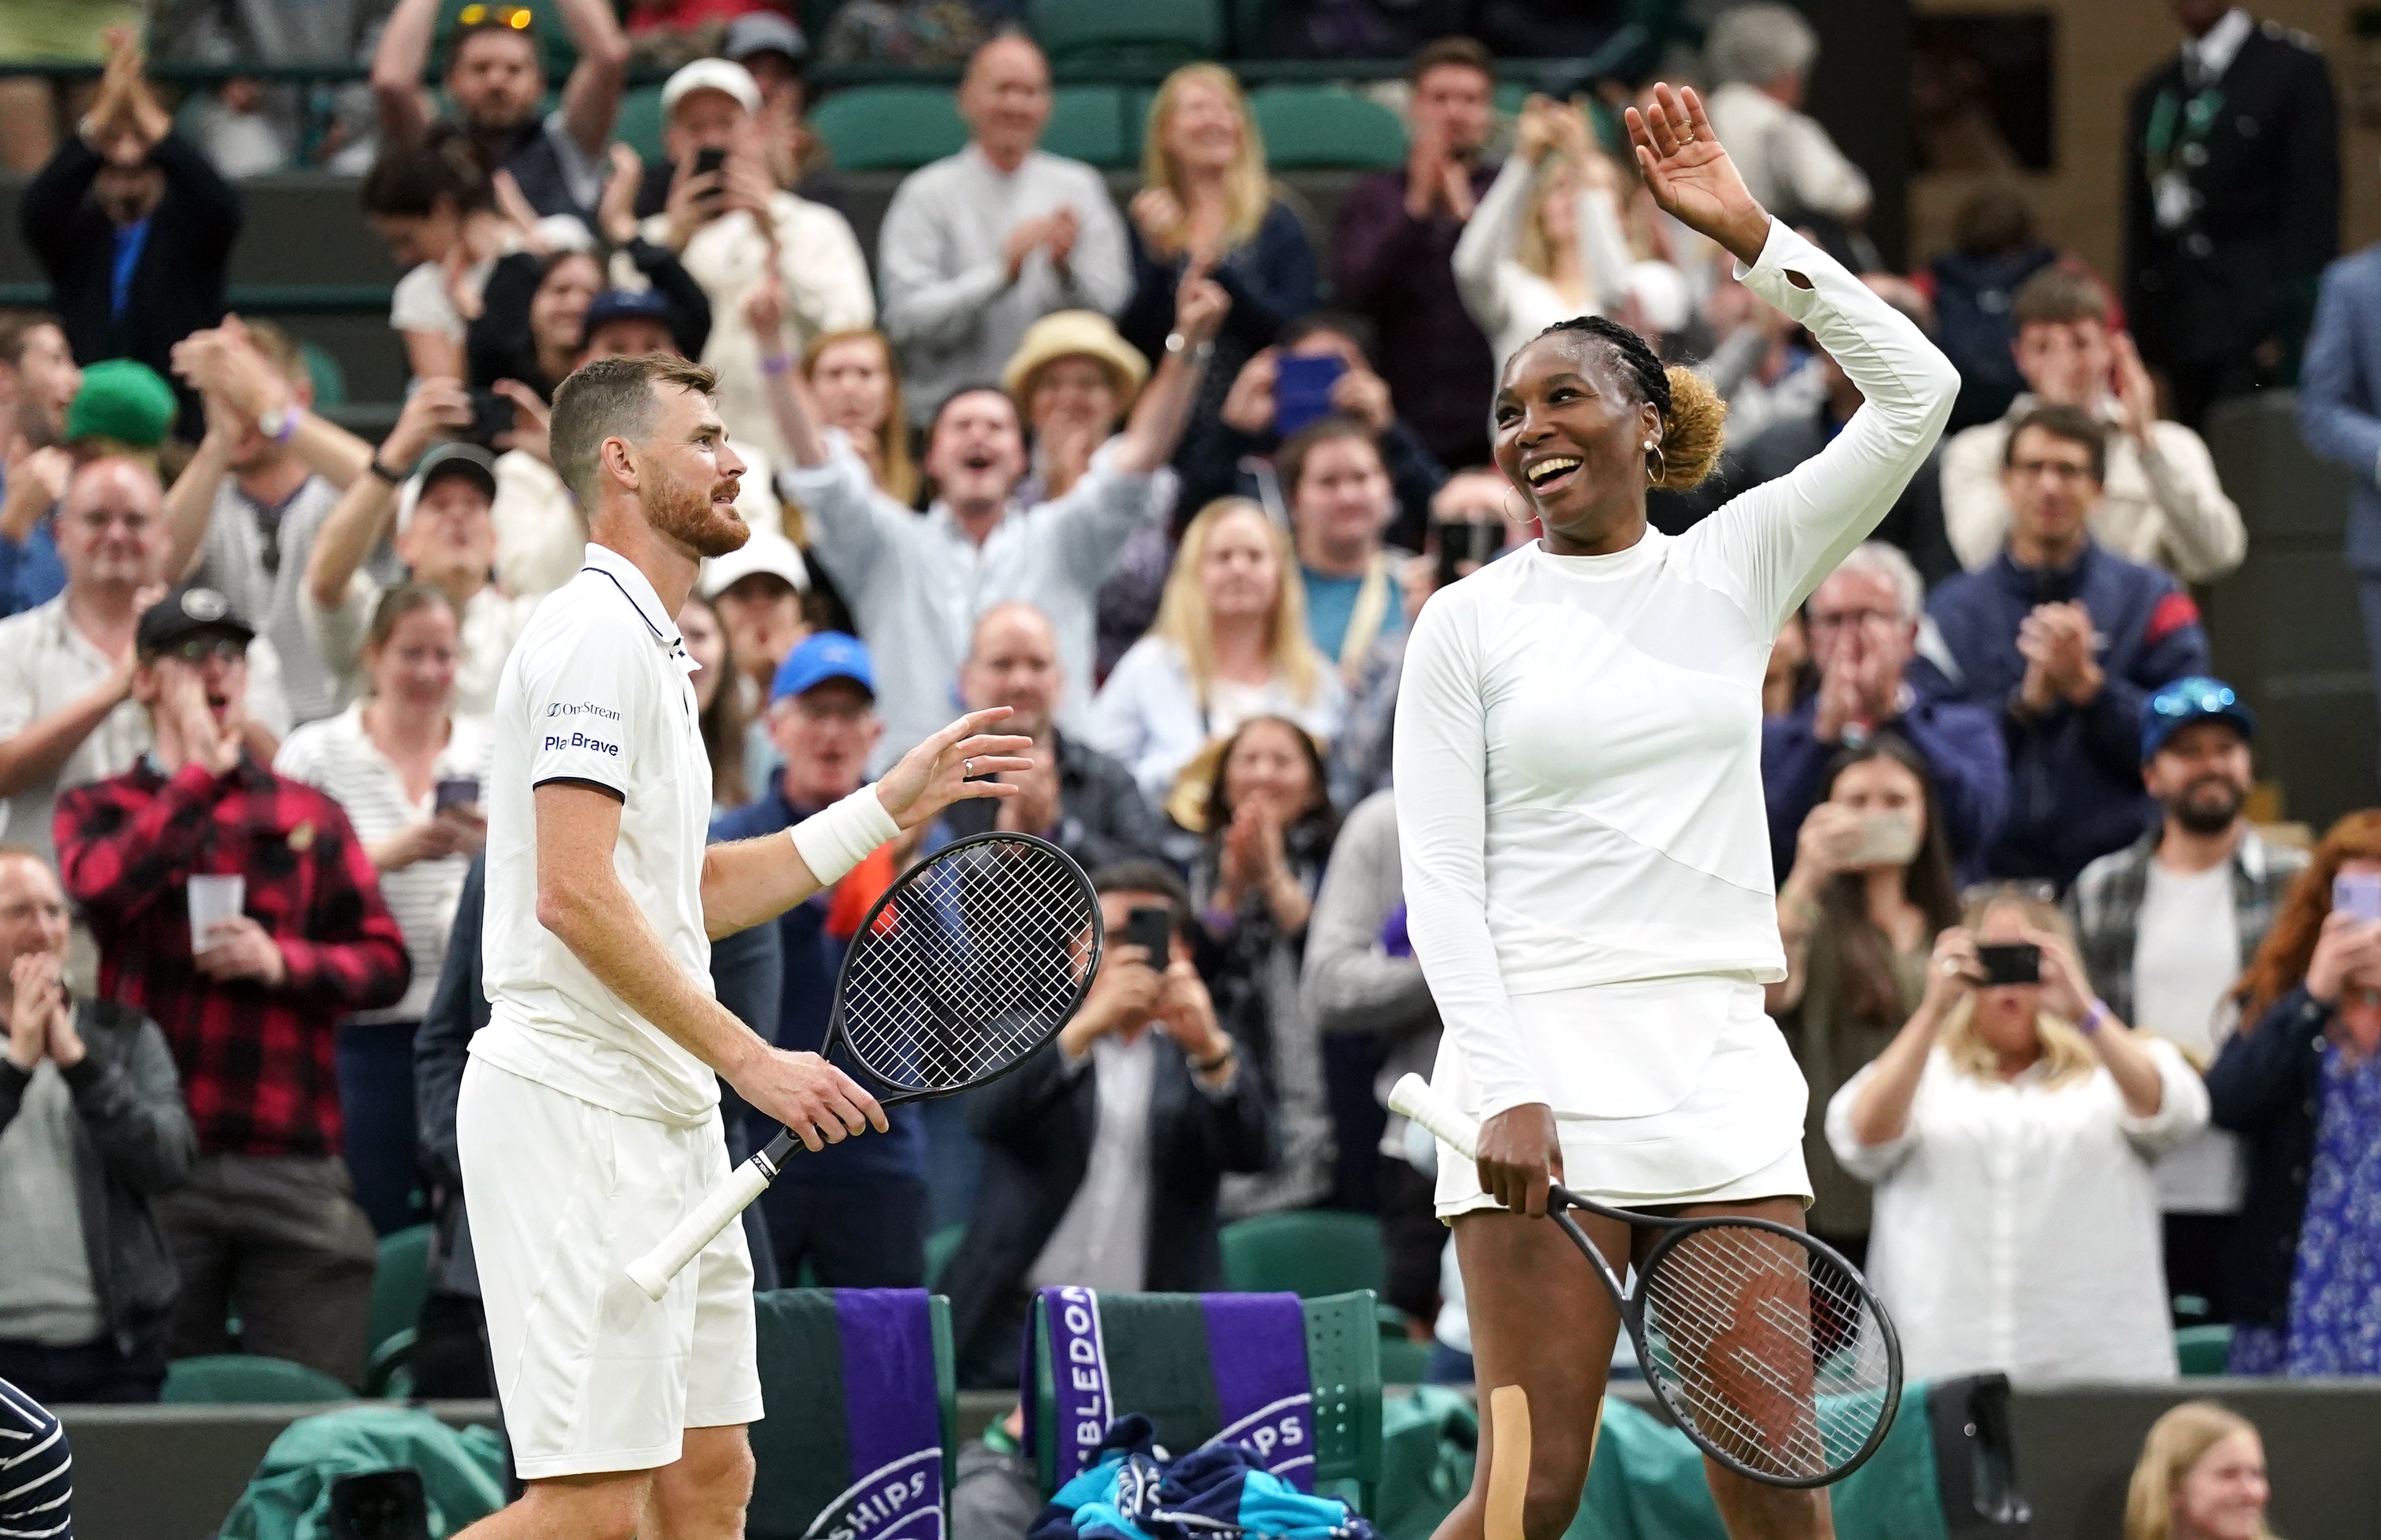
point(1577, 759)
point(2010, 1131)
point(408, 772)
point(1230, 643)
point(1546, 242)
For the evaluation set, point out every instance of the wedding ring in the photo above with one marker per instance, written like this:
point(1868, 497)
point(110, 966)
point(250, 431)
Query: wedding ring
point(1950, 966)
point(967, 768)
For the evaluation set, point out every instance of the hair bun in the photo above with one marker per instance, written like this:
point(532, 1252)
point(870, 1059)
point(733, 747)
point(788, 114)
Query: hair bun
point(1692, 431)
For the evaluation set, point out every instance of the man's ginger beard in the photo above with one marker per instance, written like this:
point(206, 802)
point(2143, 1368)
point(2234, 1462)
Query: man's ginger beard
point(686, 514)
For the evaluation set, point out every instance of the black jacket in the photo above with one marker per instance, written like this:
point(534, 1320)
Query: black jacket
point(1102, 817)
point(1036, 1126)
point(132, 1141)
point(498, 345)
point(2262, 158)
point(2266, 1087)
point(177, 284)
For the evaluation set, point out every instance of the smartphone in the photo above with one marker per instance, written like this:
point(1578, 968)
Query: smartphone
point(1150, 928)
point(2357, 892)
point(2013, 962)
point(1301, 390)
point(707, 161)
point(490, 414)
point(1464, 547)
point(379, 1505)
point(1885, 839)
point(461, 791)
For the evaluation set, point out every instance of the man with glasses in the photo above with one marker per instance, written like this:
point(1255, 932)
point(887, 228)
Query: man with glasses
point(2167, 924)
point(1862, 621)
point(855, 1211)
point(2064, 640)
point(238, 910)
point(67, 712)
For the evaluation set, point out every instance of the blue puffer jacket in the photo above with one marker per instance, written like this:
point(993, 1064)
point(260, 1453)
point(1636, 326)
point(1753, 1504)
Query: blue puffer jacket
point(2075, 777)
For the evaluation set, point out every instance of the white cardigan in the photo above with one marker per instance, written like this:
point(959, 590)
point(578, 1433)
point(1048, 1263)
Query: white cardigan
point(2017, 1226)
point(1148, 714)
point(1509, 301)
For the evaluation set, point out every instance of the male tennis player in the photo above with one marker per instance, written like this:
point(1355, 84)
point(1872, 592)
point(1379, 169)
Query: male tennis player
point(589, 1119)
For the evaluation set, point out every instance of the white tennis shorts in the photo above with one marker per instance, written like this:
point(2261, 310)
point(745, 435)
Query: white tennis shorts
point(564, 1194)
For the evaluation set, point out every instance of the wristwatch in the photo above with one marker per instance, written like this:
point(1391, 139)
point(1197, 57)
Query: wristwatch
point(1176, 343)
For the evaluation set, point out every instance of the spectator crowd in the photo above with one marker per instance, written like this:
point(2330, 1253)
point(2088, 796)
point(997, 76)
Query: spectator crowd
point(1170, 477)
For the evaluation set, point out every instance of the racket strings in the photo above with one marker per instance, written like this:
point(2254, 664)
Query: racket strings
point(974, 960)
point(1771, 1349)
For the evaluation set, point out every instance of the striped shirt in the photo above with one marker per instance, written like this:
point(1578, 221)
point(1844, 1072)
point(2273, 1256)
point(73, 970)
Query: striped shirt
point(36, 1471)
point(336, 756)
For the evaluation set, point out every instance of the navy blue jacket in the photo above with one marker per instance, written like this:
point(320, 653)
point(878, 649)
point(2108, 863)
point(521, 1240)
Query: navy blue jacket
point(811, 959)
point(1963, 748)
point(2266, 1087)
point(2075, 772)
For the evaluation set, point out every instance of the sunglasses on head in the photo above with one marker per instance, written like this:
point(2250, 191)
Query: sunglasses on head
point(2189, 699)
point(518, 18)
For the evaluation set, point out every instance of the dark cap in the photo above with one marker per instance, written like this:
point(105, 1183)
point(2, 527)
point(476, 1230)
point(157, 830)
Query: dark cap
point(626, 304)
point(467, 461)
point(2195, 698)
point(186, 611)
point(764, 32)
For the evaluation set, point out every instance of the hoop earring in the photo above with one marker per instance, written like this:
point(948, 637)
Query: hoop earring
point(1658, 466)
point(1504, 505)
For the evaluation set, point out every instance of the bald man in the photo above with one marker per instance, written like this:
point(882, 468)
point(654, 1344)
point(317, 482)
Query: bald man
point(67, 714)
point(977, 246)
point(1075, 796)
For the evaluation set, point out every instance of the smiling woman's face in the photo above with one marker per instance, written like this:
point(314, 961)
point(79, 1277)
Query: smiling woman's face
point(1570, 433)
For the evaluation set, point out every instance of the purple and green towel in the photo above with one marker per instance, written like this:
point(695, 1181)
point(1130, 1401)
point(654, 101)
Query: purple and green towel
point(852, 1442)
point(1207, 1370)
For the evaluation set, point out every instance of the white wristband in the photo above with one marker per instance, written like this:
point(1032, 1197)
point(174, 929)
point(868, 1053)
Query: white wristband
point(840, 838)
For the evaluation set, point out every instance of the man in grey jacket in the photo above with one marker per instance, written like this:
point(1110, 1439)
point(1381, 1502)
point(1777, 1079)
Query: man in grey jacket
point(91, 1127)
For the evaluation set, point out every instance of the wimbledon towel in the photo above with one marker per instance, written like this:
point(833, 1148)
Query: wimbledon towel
point(852, 1445)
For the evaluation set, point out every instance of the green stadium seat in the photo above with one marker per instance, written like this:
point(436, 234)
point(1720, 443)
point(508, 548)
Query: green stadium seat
point(889, 128)
point(1089, 123)
point(639, 124)
point(400, 1282)
point(1403, 1360)
point(2203, 1350)
point(388, 1375)
point(225, 1379)
point(1148, 33)
point(1310, 126)
point(1309, 1252)
point(940, 1247)
point(324, 374)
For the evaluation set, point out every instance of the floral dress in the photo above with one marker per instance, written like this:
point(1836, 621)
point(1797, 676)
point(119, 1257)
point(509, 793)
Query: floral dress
point(2334, 1320)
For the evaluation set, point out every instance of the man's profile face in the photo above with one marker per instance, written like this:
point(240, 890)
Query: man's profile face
point(46, 376)
point(496, 81)
point(687, 475)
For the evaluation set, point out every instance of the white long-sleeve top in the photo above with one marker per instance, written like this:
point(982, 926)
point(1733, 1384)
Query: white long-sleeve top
point(2016, 1224)
point(1508, 301)
point(1578, 741)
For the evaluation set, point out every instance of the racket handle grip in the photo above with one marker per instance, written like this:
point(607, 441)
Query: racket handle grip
point(1413, 1097)
point(653, 1271)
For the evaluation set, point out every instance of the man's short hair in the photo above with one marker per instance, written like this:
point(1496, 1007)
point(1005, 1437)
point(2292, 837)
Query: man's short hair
point(1757, 44)
point(2071, 423)
point(1468, 53)
point(613, 397)
point(17, 329)
point(279, 351)
point(2059, 294)
point(973, 387)
point(497, 20)
point(1881, 559)
point(1289, 460)
point(1355, 328)
point(1147, 876)
point(410, 178)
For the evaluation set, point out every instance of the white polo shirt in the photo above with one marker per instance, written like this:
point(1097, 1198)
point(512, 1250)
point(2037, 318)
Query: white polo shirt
point(596, 691)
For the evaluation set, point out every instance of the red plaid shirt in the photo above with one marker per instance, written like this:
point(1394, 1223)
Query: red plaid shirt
point(258, 1065)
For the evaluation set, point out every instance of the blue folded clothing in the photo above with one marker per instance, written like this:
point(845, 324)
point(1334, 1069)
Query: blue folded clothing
point(1223, 1491)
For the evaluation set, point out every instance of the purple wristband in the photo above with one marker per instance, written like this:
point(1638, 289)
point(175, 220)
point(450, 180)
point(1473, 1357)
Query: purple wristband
point(2094, 1017)
point(776, 363)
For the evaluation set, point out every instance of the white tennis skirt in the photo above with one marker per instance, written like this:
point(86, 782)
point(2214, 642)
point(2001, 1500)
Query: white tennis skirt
point(1664, 1091)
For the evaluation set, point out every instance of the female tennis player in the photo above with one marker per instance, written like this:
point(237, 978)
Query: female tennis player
point(1579, 797)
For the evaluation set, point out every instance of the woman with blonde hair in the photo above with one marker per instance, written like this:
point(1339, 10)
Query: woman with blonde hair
point(1546, 243)
point(1230, 643)
point(2202, 1476)
point(856, 379)
point(2008, 1129)
point(1208, 203)
point(2301, 1082)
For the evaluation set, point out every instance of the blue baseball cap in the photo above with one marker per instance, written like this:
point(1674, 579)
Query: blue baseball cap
point(2194, 698)
point(624, 304)
point(824, 656)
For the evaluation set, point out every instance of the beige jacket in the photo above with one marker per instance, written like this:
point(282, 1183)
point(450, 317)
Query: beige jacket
point(2164, 507)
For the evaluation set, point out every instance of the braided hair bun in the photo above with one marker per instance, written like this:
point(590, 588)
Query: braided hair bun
point(1693, 417)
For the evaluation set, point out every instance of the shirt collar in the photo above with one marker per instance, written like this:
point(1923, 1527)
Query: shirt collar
point(2214, 53)
point(639, 593)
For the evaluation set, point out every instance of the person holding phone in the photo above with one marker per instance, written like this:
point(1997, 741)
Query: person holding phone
point(1103, 1154)
point(406, 767)
point(2300, 1083)
point(2009, 1128)
point(1870, 889)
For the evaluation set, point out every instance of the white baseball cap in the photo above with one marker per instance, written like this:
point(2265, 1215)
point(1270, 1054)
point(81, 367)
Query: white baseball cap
point(721, 74)
point(772, 554)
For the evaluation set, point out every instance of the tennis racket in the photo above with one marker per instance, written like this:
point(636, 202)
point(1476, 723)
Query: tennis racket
point(973, 958)
point(1765, 1346)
